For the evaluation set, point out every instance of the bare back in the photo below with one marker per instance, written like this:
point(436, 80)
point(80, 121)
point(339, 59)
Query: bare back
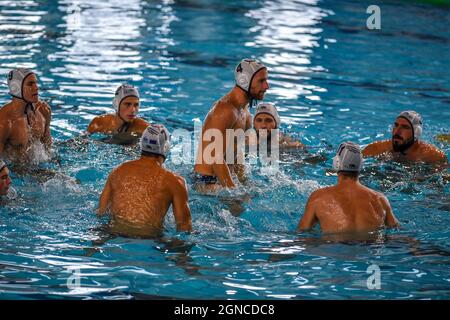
point(139, 193)
point(131, 183)
point(355, 209)
point(347, 208)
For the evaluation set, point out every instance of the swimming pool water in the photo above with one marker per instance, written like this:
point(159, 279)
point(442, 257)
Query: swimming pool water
point(332, 80)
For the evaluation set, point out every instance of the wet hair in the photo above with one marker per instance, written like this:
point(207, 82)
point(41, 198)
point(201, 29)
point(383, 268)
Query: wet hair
point(151, 154)
point(349, 174)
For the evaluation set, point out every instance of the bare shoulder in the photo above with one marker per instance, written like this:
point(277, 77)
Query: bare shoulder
point(122, 169)
point(104, 118)
point(100, 123)
point(140, 124)
point(320, 193)
point(4, 110)
point(44, 108)
point(376, 148)
point(377, 196)
point(176, 183)
point(432, 153)
point(223, 109)
point(176, 179)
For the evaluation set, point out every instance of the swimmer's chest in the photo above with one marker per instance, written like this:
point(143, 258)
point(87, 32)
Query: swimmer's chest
point(22, 132)
point(241, 121)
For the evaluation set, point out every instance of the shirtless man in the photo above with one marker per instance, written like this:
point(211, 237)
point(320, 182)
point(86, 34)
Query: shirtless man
point(405, 143)
point(138, 193)
point(267, 119)
point(5, 180)
point(230, 112)
point(124, 125)
point(349, 206)
point(25, 121)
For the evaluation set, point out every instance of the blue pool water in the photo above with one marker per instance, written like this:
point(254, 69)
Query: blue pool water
point(332, 80)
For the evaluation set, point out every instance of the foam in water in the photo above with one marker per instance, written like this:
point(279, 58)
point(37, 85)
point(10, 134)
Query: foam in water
point(61, 183)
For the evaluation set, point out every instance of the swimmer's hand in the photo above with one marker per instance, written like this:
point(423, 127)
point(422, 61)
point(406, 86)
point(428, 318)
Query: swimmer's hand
point(288, 142)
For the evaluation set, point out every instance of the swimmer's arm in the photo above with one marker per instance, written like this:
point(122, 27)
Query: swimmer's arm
point(377, 148)
point(221, 170)
point(97, 125)
point(239, 170)
point(140, 125)
point(47, 112)
point(309, 218)
point(390, 220)
point(180, 205)
point(105, 199)
point(436, 156)
point(5, 131)
point(288, 142)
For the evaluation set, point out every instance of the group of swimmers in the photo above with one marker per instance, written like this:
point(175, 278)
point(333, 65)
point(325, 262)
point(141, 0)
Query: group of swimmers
point(138, 193)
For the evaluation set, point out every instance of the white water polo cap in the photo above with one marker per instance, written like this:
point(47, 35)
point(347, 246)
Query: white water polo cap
point(245, 72)
point(415, 121)
point(122, 92)
point(156, 140)
point(348, 158)
point(270, 109)
point(16, 79)
point(2, 165)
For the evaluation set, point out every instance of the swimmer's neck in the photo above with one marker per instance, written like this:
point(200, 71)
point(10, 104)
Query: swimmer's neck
point(238, 98)
point(156, 160)
point(121, 121)
point(344, 181)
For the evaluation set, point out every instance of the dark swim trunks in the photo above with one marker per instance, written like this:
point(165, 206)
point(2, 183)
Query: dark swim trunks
point(199, 178)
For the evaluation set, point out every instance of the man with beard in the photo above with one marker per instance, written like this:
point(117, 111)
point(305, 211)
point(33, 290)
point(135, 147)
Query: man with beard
point(405, 143)
point(211, 171)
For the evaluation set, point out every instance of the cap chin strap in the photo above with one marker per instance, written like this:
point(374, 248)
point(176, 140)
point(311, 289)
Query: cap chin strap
point(28, 106)
point(125, 125)
point(412, 128)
